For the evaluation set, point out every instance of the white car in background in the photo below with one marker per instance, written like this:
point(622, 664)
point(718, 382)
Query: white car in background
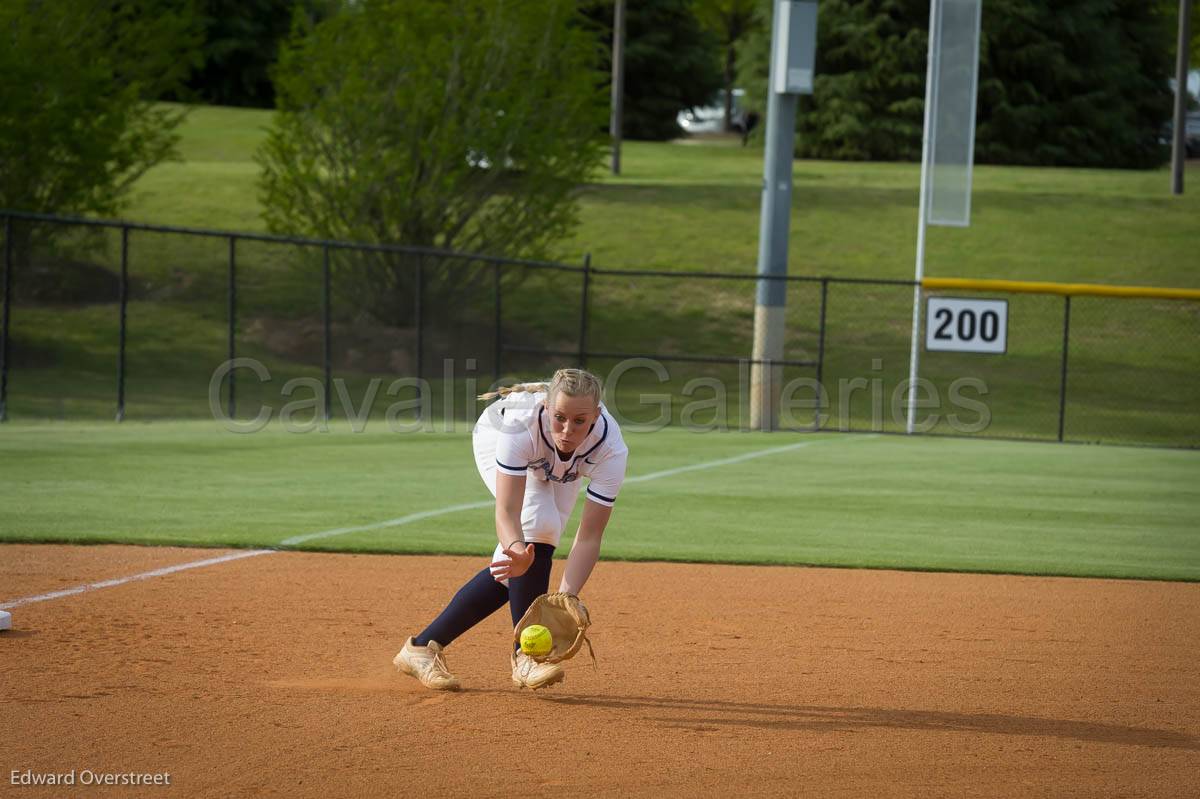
point(711, 118)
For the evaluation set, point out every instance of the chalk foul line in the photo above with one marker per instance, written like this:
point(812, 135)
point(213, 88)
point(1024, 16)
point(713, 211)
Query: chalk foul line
point(79, 589)
point(400, 521)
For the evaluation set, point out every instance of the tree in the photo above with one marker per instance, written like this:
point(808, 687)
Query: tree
point(241, 45)
point(669, 62)
point(754, 58)
point(1081, 84)
point(1168, 11)
point(76, 127)
point(731, 21)
point(869, 83)
point(461, 125)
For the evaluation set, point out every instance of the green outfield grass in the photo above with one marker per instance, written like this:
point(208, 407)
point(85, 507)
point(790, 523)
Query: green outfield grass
point(836, 500)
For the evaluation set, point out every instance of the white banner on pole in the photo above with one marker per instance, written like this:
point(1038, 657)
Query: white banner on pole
point(948, 142)
point(955, 53)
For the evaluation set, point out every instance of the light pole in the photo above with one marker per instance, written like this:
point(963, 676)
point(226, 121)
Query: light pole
point(618, 84)
point(793, 49)
point(1179, 140)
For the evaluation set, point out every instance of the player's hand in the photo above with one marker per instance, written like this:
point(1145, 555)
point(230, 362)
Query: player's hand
point(519, 560)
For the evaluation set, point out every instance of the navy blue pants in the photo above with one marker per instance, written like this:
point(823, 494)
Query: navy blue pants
point(482, 596)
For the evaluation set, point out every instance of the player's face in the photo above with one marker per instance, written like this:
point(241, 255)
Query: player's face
point(570, 420)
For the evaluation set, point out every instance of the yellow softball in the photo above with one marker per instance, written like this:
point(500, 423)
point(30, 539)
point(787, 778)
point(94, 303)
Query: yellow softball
point(536, 641)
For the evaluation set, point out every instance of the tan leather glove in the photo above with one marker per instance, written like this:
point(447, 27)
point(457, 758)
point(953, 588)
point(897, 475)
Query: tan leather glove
point(566, 618)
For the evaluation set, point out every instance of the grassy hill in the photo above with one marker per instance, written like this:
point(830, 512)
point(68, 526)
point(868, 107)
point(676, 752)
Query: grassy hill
point(679, 207)
point(694, 207)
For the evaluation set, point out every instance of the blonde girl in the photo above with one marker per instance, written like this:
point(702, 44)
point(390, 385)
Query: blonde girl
point(532, 447)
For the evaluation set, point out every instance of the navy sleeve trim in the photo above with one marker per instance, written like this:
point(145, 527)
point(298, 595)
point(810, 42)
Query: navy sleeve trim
point(510, 468)
point(601, 496)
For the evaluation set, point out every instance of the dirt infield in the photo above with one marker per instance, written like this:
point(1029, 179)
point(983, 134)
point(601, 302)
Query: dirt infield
point(272, 676)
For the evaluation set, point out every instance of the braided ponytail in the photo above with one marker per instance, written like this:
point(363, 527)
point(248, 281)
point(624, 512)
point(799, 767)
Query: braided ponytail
point(519, 388)
point(572, 382)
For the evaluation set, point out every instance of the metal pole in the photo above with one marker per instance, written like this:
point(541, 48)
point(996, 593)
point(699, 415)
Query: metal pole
point(232, 313)
point(121, 332)
point(497, 336)
point(4, 345)
point(1179, 140)
point(583, 310)
point(1062, 389)
point(328, 343)
point(775, 217)
point(618, 84)
point(821, 349)
point(420, 322)
point(914, 353)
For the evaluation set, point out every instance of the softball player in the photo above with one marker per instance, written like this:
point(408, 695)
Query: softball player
point(531, 449)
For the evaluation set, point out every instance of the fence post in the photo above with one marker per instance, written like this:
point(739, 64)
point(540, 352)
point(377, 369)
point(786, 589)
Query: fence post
point(327, 344)
point(121, 331)
point(4, 348)
point(497, 336)
point(821, 354)
point(1062, 389)
point(583, 310)
point(232, 297)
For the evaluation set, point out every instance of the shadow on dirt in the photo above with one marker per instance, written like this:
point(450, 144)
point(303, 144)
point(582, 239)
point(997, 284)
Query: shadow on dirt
point(710, 714)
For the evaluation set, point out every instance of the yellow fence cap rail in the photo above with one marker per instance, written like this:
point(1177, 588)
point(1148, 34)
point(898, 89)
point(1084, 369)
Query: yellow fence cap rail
point(1064, 289)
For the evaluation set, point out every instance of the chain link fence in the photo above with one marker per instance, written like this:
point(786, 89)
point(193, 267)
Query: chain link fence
point(109, 319)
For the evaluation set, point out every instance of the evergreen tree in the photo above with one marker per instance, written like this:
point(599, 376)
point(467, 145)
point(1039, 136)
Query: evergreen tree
point(869, 85)
point(1082, 83)
point(241, 46)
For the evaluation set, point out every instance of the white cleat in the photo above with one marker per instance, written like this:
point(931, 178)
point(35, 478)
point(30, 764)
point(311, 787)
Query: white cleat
point(427, 664)
point(528, 673)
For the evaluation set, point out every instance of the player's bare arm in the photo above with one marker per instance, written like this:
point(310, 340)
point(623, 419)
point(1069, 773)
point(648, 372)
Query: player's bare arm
point(586, 549)
point(510, 495)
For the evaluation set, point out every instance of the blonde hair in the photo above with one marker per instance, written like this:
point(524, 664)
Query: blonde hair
point(572, 382)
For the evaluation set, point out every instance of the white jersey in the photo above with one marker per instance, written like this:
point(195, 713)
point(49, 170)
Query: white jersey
point(520, 424)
